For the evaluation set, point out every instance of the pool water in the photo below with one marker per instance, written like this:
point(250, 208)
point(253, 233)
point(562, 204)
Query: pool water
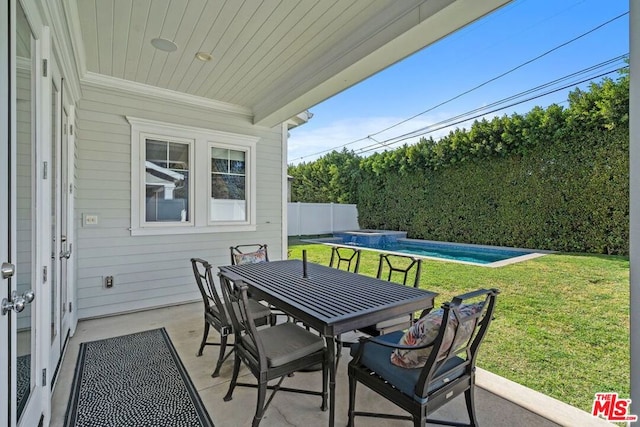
point(477, 255)
point(394, 241)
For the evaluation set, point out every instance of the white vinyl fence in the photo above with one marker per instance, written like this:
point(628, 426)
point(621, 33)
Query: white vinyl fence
point(320, 218)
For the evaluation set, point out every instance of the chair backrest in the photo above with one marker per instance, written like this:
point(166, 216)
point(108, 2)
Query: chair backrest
point(234, 292)
point(459, 336)
point(405, 267)
point(345, 258)
point(249, 254)
point(210, 297)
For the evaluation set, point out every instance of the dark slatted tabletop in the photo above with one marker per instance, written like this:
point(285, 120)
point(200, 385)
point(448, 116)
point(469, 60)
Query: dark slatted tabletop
point(330, 300)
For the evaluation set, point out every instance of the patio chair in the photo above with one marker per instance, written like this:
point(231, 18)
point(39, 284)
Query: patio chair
point(345, 258)
point(421, 378)
point(216, 312)
point(348, 259)
point(249, 253)
point(395, 268)
point(270, 353)
point(254, 253)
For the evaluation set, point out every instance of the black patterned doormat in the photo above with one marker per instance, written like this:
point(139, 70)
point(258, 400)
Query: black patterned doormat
point(133, 380)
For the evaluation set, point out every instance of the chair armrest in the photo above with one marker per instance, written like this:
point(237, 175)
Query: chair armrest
point(377, 340)
point(458, 300)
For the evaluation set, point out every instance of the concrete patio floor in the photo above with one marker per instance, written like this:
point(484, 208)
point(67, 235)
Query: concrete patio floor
point(499, 402)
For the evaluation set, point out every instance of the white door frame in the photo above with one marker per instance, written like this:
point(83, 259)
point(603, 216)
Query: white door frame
point(7, 106)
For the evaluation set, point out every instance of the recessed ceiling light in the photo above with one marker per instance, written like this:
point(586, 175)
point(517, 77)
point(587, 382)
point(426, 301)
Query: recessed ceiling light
point(164, 45)
point(204, 56)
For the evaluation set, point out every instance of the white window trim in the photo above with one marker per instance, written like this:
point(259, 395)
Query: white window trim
point(200, 177)
point(251, 182)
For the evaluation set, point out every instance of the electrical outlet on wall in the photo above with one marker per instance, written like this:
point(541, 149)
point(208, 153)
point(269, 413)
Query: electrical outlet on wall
point(108, 282)
point(90, 219)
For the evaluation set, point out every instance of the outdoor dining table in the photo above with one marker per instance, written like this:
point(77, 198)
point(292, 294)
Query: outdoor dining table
point(329, 300)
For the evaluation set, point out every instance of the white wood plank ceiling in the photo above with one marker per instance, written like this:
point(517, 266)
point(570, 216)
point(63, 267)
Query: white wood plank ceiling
point(267, 54)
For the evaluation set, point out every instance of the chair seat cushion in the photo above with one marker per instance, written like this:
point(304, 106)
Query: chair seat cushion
point(287, 342)
point(377, 358)
point(258, 310)
point(425, 331)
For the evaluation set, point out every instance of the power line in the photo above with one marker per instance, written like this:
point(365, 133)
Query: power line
point(474, 88)
point(507, 72)
point(405, 137)
point(584, 71)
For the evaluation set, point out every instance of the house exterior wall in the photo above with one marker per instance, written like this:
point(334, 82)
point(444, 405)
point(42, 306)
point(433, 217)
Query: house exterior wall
point(152, 271)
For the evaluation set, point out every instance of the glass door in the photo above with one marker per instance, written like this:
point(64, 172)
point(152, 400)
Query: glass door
point(20, 401)
point(25, 356)
point(54, 182)
point(65, 224)
point(60, 219)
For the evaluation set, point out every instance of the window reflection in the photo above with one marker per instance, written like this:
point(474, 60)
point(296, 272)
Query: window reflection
point(25, 204)
point(228, 185)
point(166, 181)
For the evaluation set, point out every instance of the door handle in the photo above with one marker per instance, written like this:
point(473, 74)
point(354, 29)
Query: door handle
point(8, 270)
point(64, 253)
point(17, 303)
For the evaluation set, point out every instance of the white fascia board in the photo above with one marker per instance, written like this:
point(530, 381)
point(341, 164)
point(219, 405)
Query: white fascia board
point(451, 18)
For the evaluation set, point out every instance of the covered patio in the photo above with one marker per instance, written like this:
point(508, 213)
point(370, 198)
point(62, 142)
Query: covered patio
point(93, 110)
point(499, 402)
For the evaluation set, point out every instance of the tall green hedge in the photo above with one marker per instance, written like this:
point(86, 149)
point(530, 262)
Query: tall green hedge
point(552, 179)
point(572, 196)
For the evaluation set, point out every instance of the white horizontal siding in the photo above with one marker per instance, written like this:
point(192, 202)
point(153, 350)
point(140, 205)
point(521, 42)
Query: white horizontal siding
point(152, 271)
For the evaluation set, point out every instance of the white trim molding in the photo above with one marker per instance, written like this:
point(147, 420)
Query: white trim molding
point(101, 81)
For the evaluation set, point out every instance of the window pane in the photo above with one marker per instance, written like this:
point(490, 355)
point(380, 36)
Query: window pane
point(218, 165)
point(219, 153)
point(228, 185)
point(167, 181)
point(236, 187)
point(237, 166)
point(157, 152)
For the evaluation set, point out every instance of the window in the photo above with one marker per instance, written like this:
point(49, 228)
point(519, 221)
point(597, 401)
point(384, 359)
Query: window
point(190, 180)
point(228, 185)
point(166, 181)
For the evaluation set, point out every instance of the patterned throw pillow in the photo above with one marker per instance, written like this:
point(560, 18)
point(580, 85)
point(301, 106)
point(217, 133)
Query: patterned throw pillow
point(251, 257)
point(425, 331)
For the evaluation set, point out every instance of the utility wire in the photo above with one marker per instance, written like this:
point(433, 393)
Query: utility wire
point(395, 140)
point(464, 116)
point(506, 72)
point(532, 90)
point(472, 89)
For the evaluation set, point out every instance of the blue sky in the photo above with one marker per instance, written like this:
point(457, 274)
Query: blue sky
point(511, 36)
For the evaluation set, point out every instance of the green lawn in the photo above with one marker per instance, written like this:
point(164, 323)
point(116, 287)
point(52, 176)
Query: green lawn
point(561, 324)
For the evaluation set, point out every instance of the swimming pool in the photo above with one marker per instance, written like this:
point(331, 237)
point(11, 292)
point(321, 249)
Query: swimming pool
point(396, 241)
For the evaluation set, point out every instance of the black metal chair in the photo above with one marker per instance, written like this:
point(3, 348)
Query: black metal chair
point(396, 268)
point(216, 312)
point(348, 259)
point(448, 371)
point(270, 353)
point(253, 253)
point(345, 258)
